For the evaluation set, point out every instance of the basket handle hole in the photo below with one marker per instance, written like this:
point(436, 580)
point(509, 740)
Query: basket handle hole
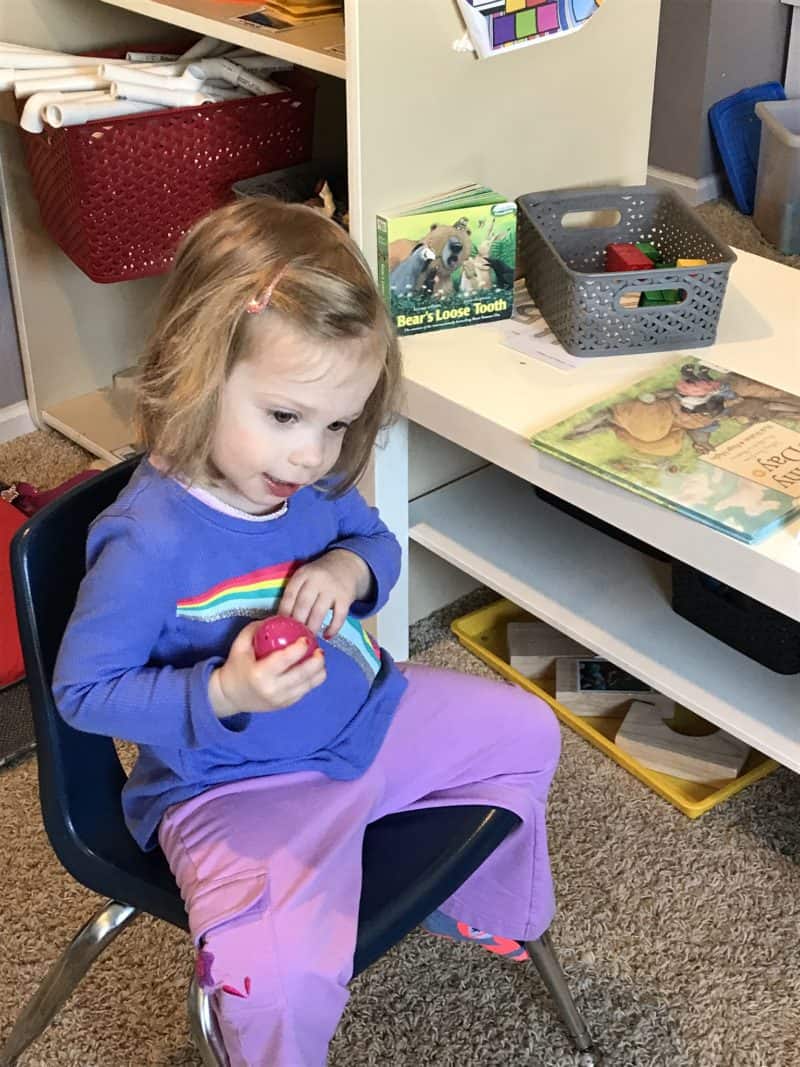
point(605, 219)
point(651, 298)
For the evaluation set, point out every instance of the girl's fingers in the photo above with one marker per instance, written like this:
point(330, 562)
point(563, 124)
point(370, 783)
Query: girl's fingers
point(322, 605)
point(304, 604)
point(304, 678)
point(289, 595)
point(337, 622)
point(244, 639)
point(285, 659)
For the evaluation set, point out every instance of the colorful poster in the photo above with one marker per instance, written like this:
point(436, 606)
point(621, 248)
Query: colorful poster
point(496, 26)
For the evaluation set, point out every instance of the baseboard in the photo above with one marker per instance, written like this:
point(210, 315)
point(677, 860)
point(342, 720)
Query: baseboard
point(14, 421)
point(693, 190)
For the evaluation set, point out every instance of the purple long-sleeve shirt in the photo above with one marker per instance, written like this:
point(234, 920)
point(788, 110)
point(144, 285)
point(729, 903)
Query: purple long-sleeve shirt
point(170, 582)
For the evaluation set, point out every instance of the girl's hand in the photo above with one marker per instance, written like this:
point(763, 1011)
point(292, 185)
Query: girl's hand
point(244, 683)
point(331, 583)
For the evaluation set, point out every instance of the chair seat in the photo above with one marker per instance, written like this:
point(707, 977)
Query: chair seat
point(412, 862)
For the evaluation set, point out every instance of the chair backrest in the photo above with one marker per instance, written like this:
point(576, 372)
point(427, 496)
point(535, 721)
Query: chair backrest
point(80, 775)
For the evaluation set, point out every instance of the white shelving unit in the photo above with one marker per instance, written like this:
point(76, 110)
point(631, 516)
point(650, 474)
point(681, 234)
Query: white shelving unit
point(318, 46)
point(464, 385)
point(608, 597)
point(404, 114)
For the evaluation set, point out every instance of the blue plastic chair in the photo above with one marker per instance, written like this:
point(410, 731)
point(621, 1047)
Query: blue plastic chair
point(412, 861)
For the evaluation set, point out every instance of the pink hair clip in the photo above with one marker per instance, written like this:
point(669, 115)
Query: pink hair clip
point(257, 304)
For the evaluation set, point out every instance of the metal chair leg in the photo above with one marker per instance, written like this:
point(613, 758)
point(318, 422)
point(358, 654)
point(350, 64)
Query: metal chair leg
point(203, 1026)
point(64, 976)
point(546, 961)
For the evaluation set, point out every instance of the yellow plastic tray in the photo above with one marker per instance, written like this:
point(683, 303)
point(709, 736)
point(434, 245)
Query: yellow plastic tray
point(483, 632)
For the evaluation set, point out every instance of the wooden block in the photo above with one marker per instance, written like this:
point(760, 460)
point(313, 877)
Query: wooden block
point(645, 735)
point(597, 687)
point(630, 299)
point(691, 263)
point(534, 647)
point(624, 256)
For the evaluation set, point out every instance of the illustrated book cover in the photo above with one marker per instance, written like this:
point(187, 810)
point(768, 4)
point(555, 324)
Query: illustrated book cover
point(709, 443)
point(448, 261)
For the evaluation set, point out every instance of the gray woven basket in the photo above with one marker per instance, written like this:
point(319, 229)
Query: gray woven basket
point(581, 303)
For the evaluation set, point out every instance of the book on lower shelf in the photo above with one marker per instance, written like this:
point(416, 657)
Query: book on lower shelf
point(448, 261)
point(710, 443)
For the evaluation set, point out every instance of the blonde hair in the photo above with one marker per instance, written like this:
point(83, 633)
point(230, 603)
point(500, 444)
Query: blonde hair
point(319, 282)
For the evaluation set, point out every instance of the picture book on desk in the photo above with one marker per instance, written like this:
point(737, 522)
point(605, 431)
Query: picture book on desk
point(448, 261)
point(712, 444)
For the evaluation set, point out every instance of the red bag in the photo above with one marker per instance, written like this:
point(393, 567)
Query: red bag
point(11, 666)
point(26, 500)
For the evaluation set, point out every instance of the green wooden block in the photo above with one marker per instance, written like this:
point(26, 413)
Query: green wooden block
point(656, 297)
point(651, 252)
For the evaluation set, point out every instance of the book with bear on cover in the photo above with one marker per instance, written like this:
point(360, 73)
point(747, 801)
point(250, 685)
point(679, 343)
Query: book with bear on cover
point(448, 261)
point(710, 443)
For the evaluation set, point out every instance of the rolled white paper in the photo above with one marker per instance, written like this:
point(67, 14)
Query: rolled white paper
point(77, 112)
point(133, 74)
point(166, 70)
point(206, 46)
point(7, 46)
point(154, 94)
point(70, 84)
point(218, 93)
point(150, 57)
point(47, 60)
point(32, 118)
point(230, 72)
point(8, 78)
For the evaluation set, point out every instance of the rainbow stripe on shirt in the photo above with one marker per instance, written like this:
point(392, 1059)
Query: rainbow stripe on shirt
point(257, 594)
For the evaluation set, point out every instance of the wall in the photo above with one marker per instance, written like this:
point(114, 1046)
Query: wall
point(708, 49)
point(746, 46)
point(675, 132)
point(12, 390)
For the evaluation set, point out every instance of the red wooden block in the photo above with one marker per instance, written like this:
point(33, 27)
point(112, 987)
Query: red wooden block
point(626, 257)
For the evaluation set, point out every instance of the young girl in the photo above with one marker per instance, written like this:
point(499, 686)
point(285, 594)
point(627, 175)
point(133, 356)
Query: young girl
point(272, 367)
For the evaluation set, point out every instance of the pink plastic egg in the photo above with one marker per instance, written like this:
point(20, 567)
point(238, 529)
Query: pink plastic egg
point(280, 631)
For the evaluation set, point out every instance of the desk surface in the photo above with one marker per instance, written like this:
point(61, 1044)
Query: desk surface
point(463, 384)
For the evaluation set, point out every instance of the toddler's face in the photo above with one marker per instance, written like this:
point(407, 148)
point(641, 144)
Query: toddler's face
point(284, 411)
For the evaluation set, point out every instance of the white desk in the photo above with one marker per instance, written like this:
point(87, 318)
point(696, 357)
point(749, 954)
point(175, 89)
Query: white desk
point(466, 387)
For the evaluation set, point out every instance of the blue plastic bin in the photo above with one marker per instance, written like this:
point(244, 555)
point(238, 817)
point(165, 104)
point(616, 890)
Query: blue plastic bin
point(737, 131)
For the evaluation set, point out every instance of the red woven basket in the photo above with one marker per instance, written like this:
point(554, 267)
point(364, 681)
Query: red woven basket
point(118, 194)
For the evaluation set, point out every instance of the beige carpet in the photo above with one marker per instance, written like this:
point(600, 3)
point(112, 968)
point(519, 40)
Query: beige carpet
point(740, 231)
point(681, 939)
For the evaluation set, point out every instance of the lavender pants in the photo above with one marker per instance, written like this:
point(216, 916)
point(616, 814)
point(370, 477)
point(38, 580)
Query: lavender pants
point(270, 868)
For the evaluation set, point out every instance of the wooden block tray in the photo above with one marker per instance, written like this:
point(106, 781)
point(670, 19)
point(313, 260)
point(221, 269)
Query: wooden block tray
point(483, 632)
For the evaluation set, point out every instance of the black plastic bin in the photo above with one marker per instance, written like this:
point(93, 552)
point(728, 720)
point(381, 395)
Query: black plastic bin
point(763, 634)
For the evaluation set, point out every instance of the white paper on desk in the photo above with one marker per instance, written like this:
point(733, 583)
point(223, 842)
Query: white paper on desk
point(523, 339)
point(527, 332)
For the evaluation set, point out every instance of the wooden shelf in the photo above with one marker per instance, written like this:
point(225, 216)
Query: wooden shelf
point(465, 385)
point(608, 597)
point(92, 422)
point(318, 46)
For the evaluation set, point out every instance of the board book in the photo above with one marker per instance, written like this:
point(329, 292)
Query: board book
point(710, 443)
point(448, 261)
